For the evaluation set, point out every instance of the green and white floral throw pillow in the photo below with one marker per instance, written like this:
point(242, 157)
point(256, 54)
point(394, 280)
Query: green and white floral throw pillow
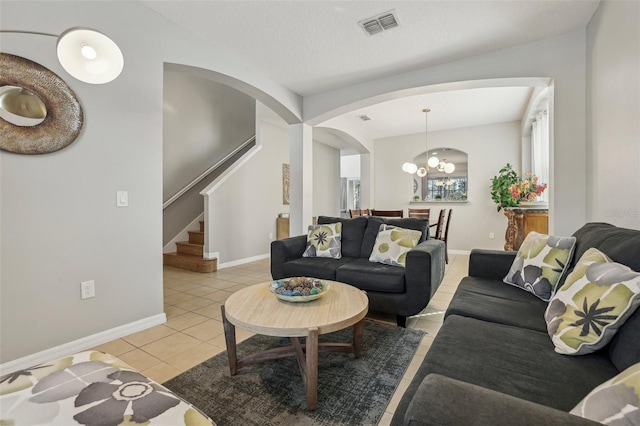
point(595, 300)
point(392, 245)
point(615, 402)
point(324, 241)
point(540, 263)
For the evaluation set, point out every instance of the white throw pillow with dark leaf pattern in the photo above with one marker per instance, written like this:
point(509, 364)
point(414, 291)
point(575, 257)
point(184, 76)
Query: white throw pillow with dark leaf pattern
point(324, 241)
point(594, 302)
point(540, 263)
point(392, 245)
point(615, 402)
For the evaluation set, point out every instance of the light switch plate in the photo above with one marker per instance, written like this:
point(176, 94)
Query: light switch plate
point(122, 199)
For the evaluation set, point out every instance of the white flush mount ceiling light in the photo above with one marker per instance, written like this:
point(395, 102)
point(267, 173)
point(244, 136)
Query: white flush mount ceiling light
point(89, 56)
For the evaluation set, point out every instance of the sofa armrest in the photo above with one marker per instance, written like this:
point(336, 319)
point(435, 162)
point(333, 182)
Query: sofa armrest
point(444, 401)
point(491, 264)
point(424, 271)
point(285, 250)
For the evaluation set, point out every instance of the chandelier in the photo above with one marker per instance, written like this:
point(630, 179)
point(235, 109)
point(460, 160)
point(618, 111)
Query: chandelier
point(445, 182)
point(433, 162)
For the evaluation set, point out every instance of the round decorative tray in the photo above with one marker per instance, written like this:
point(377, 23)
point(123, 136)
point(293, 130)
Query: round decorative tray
point(299, 289)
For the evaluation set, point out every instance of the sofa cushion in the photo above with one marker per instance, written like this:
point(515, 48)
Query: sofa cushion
point(491, 300)
point(316, 267)
point(595, 301)
point(371, 276)
point(616, 401)
point(622, 245)
point(392, 245)
point(373, 226)
point(352, 233)
point(540, 263)
point(324, 241)
point(514, 361)
point(443, 401)
point(624, 349)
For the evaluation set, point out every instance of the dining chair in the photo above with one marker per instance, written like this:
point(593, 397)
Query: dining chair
point(419, 213)
point(366, 212)
point(387, 213)
point(439, 225)
point(355, 213)
point(446, 237)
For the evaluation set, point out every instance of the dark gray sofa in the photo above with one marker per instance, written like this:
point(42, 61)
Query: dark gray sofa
point(493, 362)
point(391, 289)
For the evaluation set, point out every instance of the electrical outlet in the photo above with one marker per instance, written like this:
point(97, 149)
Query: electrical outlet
point(87, 289)
point(271, 235)
point(491, 236)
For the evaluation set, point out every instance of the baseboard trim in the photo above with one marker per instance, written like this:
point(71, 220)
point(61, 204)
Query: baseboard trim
point(242, 261)
point(81, 344)
point(214, 255)
point(467, 252)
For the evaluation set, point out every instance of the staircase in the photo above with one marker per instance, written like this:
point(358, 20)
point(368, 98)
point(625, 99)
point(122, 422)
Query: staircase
point(188, 254)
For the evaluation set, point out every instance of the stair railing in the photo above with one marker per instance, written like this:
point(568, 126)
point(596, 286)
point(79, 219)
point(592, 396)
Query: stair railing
point(207, 172)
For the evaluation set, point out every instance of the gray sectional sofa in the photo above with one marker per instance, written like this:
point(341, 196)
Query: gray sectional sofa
point(493, 362)
point(391, 289)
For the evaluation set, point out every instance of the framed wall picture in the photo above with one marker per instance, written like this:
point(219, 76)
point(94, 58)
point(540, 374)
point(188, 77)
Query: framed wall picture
point(286, 179)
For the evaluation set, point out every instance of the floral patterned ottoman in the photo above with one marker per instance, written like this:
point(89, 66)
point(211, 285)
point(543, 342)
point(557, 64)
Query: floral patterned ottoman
point(90, 388)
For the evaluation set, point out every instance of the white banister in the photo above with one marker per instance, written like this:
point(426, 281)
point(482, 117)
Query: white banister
point(207, 172)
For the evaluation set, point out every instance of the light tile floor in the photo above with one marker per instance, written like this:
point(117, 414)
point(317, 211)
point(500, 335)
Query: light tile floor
point(193, 332)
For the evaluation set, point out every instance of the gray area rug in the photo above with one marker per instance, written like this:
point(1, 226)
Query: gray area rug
point(351, 391)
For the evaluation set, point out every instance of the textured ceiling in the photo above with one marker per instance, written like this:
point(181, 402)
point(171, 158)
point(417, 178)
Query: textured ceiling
point(314, 46)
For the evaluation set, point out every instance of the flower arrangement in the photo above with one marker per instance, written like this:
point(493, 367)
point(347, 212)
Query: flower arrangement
point(527, 188)
point(507, 190)
point(501, 188)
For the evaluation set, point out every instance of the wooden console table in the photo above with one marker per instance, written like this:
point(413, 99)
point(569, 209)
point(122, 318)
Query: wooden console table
point(282, 228)
point(522, 221)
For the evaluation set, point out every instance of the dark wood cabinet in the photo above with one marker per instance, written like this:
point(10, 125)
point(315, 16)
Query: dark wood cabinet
point(521, 222)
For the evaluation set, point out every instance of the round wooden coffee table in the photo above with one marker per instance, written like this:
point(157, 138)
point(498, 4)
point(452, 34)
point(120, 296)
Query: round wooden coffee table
point(258, 310)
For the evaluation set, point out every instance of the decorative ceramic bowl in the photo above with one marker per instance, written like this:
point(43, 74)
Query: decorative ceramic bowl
point(299, 289)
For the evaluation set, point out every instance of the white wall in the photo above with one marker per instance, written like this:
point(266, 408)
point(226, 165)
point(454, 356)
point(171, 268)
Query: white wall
point(613, 114)
point(243, 211)
point(489, 148)
point(561, 58)
point(350, 166)
point(203, 122)
point(326, 180)
point(59, 224)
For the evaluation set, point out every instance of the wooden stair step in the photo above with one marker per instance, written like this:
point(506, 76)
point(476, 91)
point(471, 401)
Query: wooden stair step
point(190, 262)
point(196, 237)
point(202, 226)
point(184, 247)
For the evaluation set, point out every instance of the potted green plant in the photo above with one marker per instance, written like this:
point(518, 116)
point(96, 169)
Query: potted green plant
point(501, 188)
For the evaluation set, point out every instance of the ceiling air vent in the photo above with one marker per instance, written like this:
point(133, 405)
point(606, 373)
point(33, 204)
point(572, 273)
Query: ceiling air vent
point(380, 23)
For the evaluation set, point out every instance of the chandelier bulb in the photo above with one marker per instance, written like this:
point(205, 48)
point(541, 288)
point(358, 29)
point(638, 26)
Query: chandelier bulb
point(449, 167)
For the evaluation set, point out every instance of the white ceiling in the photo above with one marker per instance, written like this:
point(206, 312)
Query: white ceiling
point(460, 108)
point(315, 46)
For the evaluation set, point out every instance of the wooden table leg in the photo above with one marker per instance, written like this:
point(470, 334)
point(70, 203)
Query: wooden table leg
point(312, 369)
point(230, 339)
point(358, 331)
